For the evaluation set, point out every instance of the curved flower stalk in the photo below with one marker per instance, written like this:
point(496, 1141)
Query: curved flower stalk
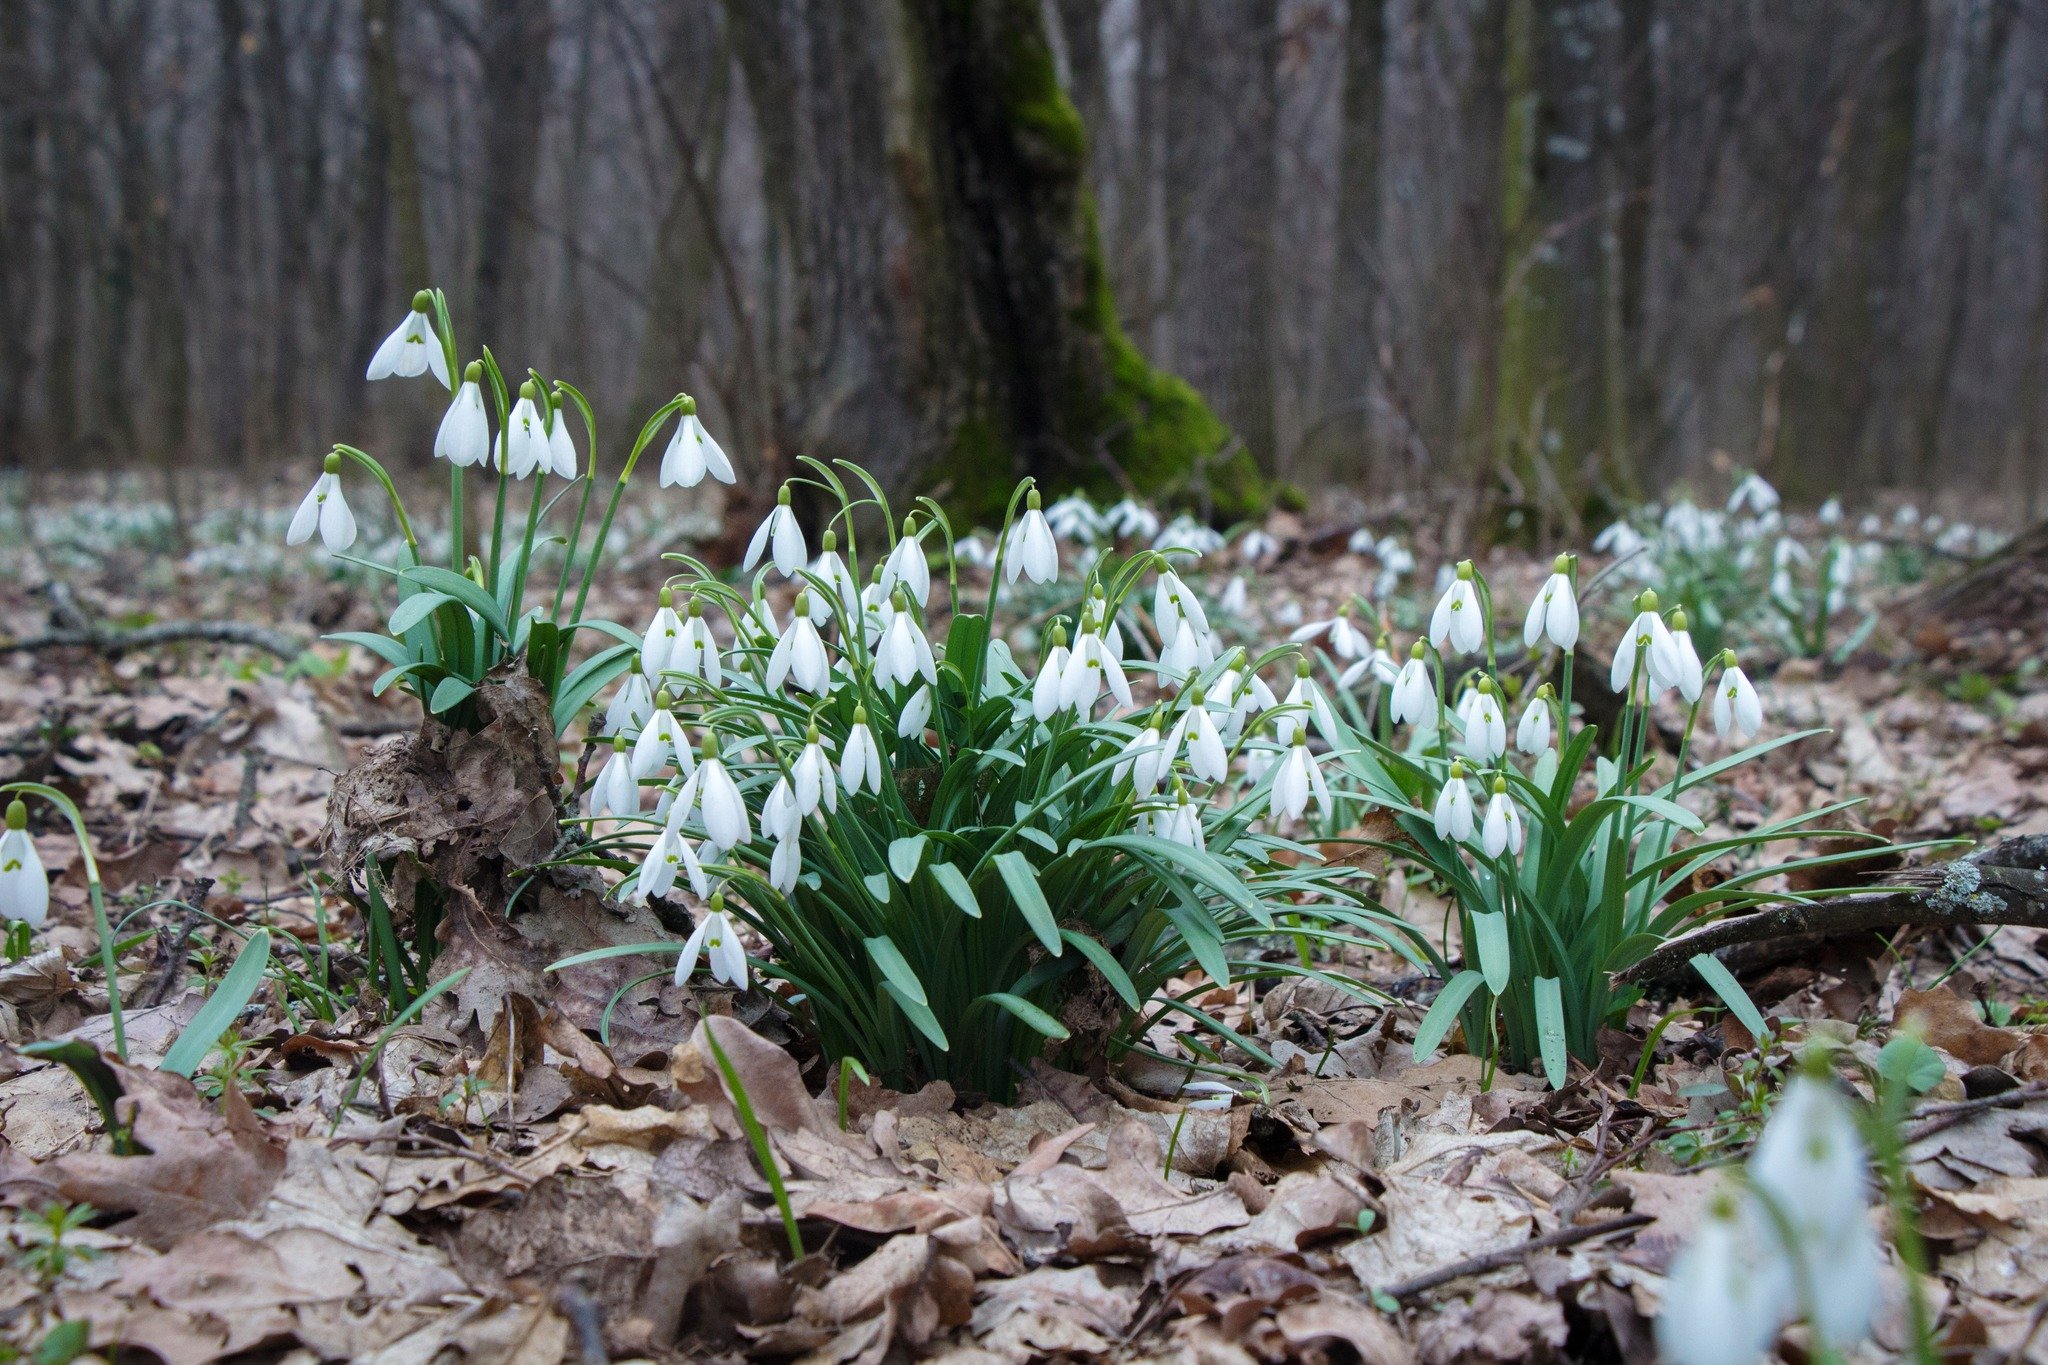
point(942, 843)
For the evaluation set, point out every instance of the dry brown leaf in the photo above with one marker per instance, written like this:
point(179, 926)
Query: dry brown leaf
point(1949, 1022)
point(1494, 1324)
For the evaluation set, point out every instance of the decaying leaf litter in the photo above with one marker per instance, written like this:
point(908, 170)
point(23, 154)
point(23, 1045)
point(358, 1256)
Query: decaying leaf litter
point(491, 1180)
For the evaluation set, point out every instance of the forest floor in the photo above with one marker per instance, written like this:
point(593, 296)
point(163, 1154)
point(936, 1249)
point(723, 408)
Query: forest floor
point(491, 1183)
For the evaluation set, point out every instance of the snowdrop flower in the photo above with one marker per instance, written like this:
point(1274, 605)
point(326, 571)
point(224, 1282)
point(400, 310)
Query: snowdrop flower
point(326, 510)
point(1690, 679)
point(1147, 758)
point(1188, 651)
point(24, 886)
point(1052, 669)
point(904, 653)
point(1092, 665)
point(1073, 518)
point(1292, 727)
point(1185, 533)
point(1486, 731)
point(1457, 620)
point(1032, 550)
point(1257, 546)
point(1297, 780)
point(976, 551)
point(412, 348)
point(1648, 636)
point(1234, 599)
point(1532, 736)
point(1362, 542)
point(1414, 698)
point(464, 437)
point(799, 656)
point(831, 569)
point(780, 815)
point(813, 773)
point(695, 654)
point(1503, 827)
point(787, 551)
point(1453, 812)
point(1754, 494)
point(1809, 1163)
point(917, 712)
point(658, 868)
point(663, 640)
point(718, 800)
point(1378, 665)
point(1619, 541)
point(1735, 702)
point(1132, 519)
point(691, 454)
point(1174, 604)
point(1208, 759)
point(1555, 612)
point(1830, 513)
point(1344, 641)
point(907, 567)
point(786, 864)
point(1724, 1303)
point(632, 705)
point(660, 739)
point(860, 763)
point(615, 793)
point(728, 958)
point(523, 444)
point(1208, 1095)
point(1182, 823)
point(561, 450)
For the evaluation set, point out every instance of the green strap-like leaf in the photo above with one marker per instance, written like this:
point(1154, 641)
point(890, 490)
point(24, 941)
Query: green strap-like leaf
point(890, 959)
point(1495, 962)
point(416, 609)
point(450, 693)
point(1449, 1001)
point(1029, 1015)
point(1022, 879)
point(1104, 961)
point(1715, 974)
point(437, 579)
point(383, 646)
point(227, 1002)
point(1550, 1030)
point(904, 856)
point(919, 1014)
point(953, 882)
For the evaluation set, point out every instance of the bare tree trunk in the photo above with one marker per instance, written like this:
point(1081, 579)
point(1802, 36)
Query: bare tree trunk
point(516, 77)
point(1344, 432)
point(229, 372)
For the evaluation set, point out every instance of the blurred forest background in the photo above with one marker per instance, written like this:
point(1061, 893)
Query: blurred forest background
point(1557, 253)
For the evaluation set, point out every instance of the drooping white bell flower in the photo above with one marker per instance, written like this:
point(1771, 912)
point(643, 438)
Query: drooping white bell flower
point(1453, 813)
point(1379, 666)
point(1235, 598)
point(1555, 612)
point(1689, 678)
point(1297, 780)
point(1208, 759)
point(523, 444)
point(1502, 830)
point(812, 770)
point(715, 933)
point(877, 610)
point(1182, 822)
point(24, 886)
point(1648, 636)
point(464, 437)
point(718, 800)
point(1486, 730)
point(1257, 546)
point(324, 509)
point(1735, 702)
point(412, 348)
point(1092, 666)
point(1809, 1164)
point(561, 450)
point(631, 706)
point(1073, 518)
point(663, 640)
point(1188, 651)
point(1726, 1296)
point(1754, 494)
point(904, 653)
point(781, 817)
point(1032, 549)
point(907, 567)
point(799, 656)
point(696, 653)
point(1344, 639)
point(1132, 520)
point(1292, 726)
point(1146, 758)
point(615, 793)
point(1414, 699)
point(1047, 687)
point(786, 864)
point(1532, 736)
point(1174, 604)
point(691, 454)
point(917, 713)
point(860, 763)
point(780, 537)
point(658, 868)
point(1458, 624)
point(660, 739)
point(831, 569)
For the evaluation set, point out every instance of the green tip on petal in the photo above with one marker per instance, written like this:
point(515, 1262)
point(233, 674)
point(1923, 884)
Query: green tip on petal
point(1647, 601)
point(831, 539)
point(1465, 570)
point(618, 744)
point(663, 701)
point(332, 464)
point(1056, 634)
point(1678, 619)
point(709, 748)
point(860, 715)
point(909, 525)
point(1544, 693)
point(696, 607)
point(1417, 650)
point(1031, 500)
point(1197, 696)
point(668, 597)
point(1457, 768)
point(1500, 786)
point(17, 814)
point(782, 496)
point(423, 301)
point(803, 603)
point(528, 391)
point(811, 733)
point(689, 406)
point(1486, 687)
point(1301, 666)
point(1562, 564)
point(473, 372)
point(1727, 658)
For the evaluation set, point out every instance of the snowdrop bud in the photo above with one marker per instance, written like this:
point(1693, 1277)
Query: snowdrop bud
point(324, 509)
point(464, 437)
point(24, 886)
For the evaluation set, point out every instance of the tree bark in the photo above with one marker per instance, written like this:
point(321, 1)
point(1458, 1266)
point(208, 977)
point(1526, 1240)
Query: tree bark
point(1344, 433)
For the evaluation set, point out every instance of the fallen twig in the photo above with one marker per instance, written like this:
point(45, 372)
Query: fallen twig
point(2006, 884)
point(1940, 1116)
point(1508, 1255)
point(440, 1145)
point(113, 641)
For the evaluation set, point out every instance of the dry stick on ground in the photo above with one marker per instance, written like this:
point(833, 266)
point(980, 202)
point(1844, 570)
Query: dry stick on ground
point(1508, 1255)
point(113, 641)
point(2005, 884)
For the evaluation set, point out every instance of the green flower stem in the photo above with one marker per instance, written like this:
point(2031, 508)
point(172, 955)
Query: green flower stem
point(588, 478)
point(95, 894)
point(604, 526)
point(378, 472)
point(498, 394)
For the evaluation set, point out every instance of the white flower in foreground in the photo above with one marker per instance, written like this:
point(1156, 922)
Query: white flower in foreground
point(1555, 612)
point(1753, 494)
point(718, 801)
point(1092, 665)
point(1648, 636)
point(1208, 1095)
point(728, 958)
point(1458, 621)
point(799, 656)
point(904, 653)
point(1146, 758)
point(860, 764)
point(917, 713)
point(660, 739)
point(1502, 830)
point(813, 773)
point(412, 348)
point(1182, 822)
point(781, 817)
point(1188, 651)
point(1532, 736)
point(1344, 640)
point(1297, 780)
point(696, 652)
point(691, 454)
point(1690, 678)
point(658, 868)
point(781, 538)
point(1174, 604)
point(1292, 727)
point(1032, 550)
point(908, 568)
point(1208, 759)
point(663, 640)
point(464, 437)
point(830, 568)
point(1414, 698)
point(615, 793)
point(786, 864)
point(1735, 702)
point(1486, 730)
point(524, 442)
point(24, 886)
point(632, 705)
point(1048, 686)
point(1453, 814)
point(1809, 1164)
point(324, 509)
point(561, 450)
point(1724, 1303)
